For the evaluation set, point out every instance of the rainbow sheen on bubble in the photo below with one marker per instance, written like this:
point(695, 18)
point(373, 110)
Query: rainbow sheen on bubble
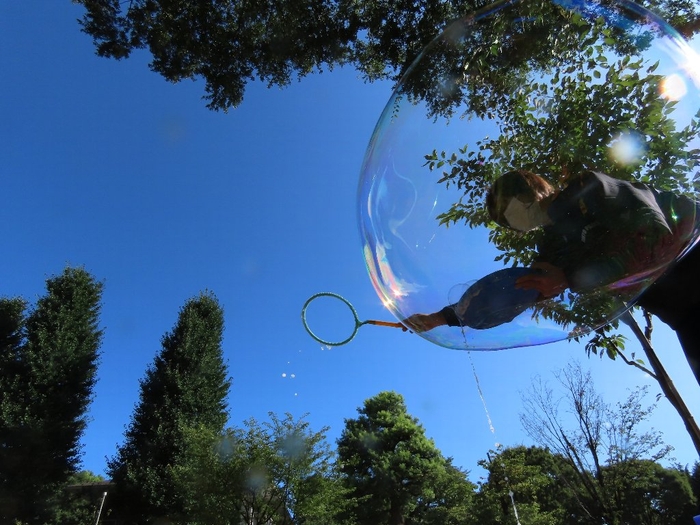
point(555, 87)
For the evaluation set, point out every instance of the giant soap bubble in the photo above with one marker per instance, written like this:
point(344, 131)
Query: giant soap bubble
point(555, 87)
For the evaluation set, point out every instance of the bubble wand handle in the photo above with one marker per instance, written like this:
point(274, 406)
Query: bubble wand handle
point(386, 323)
point(357, 326)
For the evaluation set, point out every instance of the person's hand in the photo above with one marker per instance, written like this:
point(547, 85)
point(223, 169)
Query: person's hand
point(423, 322)
point(549, 281)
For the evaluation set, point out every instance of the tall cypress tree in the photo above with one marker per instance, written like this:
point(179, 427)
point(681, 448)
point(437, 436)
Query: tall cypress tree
point(12, 317)
point(48, 368)
point(186, 386)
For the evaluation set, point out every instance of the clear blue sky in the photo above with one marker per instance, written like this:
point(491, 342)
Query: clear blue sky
point(106, 165)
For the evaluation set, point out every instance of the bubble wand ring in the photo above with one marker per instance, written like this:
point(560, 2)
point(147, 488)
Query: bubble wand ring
point(358, 323)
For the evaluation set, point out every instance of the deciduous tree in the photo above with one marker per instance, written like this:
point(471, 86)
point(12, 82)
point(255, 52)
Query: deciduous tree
point(529, 485)
point(81, 500)
point(611, 457)
point(646, 492)
point(279, 471)
point(231, 43)
point(533, 486)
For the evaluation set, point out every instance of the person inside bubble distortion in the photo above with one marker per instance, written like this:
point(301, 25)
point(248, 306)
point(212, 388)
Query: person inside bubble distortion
point(596, 231)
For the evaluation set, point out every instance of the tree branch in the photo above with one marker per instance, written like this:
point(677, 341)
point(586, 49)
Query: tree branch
point(664, 380)
point(636, 365)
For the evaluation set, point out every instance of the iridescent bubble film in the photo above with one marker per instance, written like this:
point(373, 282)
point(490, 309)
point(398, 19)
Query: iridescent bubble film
point(553, 87)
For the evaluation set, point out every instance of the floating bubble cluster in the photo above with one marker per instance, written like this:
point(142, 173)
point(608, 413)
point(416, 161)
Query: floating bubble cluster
point(556, 87)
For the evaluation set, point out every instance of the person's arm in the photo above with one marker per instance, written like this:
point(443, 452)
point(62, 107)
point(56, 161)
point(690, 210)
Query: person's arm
point(425, 322)
point(550, 281)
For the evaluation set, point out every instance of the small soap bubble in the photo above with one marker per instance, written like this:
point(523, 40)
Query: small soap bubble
point(293, 445)
point(257, 477)
point(225, 448)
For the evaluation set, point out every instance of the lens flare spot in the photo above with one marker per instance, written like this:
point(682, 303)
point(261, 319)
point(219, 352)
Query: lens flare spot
point(673, 88)
point(627, 148)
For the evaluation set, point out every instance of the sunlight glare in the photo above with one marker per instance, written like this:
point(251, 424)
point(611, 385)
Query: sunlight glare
point(673, 88)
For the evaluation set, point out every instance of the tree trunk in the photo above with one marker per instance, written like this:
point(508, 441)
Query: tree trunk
point(396, 515)
point(665, 382)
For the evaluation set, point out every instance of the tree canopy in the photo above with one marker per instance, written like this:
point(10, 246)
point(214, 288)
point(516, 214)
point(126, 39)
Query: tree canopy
point(186, 387)
point(542, 487)
point(279, 471)
point(394, 471)
point(228, 44)
point(48, 368)
point(605, 453)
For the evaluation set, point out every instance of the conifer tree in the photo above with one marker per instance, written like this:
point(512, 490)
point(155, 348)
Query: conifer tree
point(395, 473)
point(48, 367)
point(185, 387)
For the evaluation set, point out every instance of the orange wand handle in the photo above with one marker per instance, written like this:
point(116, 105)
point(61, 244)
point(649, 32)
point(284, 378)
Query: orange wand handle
point(386, 323)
